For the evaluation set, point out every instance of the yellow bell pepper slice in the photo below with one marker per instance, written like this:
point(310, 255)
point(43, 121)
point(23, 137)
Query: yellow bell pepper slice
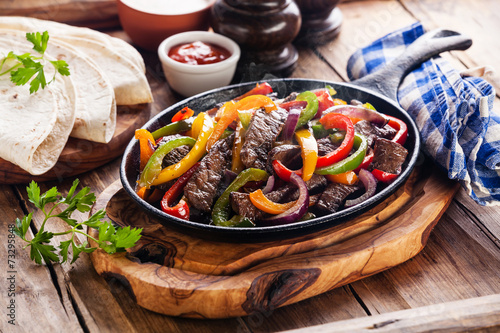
point(309, 152)
point(195, 154)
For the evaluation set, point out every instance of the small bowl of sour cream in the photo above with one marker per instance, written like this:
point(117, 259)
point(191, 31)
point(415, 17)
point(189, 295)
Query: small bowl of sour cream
point(197, 61)
point(149, 22)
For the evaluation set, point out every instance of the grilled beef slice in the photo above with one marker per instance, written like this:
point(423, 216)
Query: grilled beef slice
point(176, 154)
point(326, 146)
point(262, 132)
point(388, 156)
point(334, 196)
point(289, 155)
point(201, 188)
point(373, 132)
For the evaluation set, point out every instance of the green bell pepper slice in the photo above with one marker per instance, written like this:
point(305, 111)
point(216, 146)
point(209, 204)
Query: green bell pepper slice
point(174, 128)
point(311, 108)
point(349, 163)
point(221, 210)
point(153, 167)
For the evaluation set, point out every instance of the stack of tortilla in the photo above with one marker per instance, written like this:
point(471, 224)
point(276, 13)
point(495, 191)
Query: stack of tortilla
point(105, 72)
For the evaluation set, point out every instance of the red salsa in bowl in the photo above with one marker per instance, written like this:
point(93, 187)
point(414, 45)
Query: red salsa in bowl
point(198, 53)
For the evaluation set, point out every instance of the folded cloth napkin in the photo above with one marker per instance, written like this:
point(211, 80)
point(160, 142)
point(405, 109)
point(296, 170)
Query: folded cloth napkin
point(453, 112)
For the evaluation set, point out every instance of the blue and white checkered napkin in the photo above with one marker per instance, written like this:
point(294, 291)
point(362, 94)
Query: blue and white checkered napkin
point(453, 112)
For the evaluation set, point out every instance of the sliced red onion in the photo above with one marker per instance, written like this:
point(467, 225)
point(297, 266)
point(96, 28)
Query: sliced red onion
point(369, 182)
point(269, 185)
point(358, 111)
point(297, 210)
point(290, 124)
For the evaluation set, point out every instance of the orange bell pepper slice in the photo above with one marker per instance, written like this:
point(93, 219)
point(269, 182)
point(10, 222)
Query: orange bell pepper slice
point(346, 178)
point(146, 144)
point(260, 201)
point(185, 113)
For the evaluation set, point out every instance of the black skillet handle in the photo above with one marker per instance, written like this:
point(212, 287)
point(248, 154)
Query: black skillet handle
point(386, 80)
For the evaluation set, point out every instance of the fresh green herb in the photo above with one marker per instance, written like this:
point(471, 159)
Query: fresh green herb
point(110, 239)
point(29, 68)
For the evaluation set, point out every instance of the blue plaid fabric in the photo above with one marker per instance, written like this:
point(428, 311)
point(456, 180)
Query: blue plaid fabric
point(454, 113)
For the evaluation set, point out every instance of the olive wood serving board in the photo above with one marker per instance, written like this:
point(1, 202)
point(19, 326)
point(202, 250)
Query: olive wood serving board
point(79, 156)
point(173, 273)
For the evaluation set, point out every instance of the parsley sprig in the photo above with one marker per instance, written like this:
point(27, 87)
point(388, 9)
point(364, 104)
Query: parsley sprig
point(110, 239)
point(28, 66)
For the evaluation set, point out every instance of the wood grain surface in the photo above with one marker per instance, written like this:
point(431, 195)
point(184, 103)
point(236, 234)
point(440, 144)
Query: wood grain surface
point(460, 262)
point(205, 279)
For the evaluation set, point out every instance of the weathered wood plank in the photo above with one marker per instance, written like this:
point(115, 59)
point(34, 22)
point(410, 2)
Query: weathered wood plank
point(338, 304)
point(364, 21)
point(482, 27)
point(460, 316)
point(92, 13)
point(28, 288)
point(457, 263)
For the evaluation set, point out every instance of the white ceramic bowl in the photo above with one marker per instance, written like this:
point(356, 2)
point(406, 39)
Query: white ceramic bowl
point(189, 80)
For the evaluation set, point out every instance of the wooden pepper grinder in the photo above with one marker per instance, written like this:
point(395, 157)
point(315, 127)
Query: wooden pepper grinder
point(321, 21)
point(264, 29)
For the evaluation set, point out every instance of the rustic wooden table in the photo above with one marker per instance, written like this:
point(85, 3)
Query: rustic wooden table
point(453, 284)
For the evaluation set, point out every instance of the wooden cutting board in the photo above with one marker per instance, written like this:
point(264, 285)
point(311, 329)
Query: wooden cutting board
point(181, 275)
point(89, 13)
point(79, 156)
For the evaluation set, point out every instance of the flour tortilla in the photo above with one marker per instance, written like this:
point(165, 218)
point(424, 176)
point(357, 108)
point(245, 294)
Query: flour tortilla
point(95, 99)
point(121, 62)
point(29, 24)
point(36, 127)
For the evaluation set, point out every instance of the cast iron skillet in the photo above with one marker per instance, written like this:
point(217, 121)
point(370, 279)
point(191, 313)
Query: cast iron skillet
point(378, 89)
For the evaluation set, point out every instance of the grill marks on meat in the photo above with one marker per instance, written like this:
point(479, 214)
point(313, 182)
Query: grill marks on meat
point(262, 132)
point(289, 155)
point(388, 156)
point(334, 196)
point(326, 146)
point(176, 154)
point(372, 132)
point(201, 188)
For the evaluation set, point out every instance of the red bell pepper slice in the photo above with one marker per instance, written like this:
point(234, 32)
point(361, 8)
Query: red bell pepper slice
point(401, 127)
point(185, 113)
point(181, 210)
point(293, 105)
point(325, 101)
point(259, 89)
point(336, 120)
point(366, 161)
point(283, 172)
point(385, 177)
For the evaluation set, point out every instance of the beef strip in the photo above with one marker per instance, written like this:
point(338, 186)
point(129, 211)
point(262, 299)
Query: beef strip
point(201, 188)
point(176, 154)
point(289, 155)
point(373, 132)
point(326, 146)
point(388, 156)
point(262, 132)
point(334, 196)
point(241, 204)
